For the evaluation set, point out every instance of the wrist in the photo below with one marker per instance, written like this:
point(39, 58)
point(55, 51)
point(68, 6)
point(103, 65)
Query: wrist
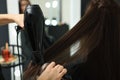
point(6, 18)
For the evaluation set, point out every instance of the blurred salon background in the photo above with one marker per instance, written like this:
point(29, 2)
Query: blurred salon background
point(60, 16)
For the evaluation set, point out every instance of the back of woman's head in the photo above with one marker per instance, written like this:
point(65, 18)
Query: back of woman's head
point(101, 15)
point(99, 34)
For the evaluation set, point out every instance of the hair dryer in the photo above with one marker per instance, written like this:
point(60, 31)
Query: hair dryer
point(34, 27)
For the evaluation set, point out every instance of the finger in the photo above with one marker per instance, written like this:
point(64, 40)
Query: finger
point(60, 68)
point(56, 67)
point(51, 65)
point(62, 73)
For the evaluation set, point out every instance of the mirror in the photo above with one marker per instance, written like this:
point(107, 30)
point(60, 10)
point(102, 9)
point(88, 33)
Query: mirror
point(51, 10)
point(60, 11)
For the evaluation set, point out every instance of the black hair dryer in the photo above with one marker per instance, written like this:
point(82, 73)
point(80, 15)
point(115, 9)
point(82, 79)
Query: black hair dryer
point(34, 27)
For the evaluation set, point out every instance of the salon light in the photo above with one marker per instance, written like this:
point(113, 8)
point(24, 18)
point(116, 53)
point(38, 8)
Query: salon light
point(47, 22)
point(17, 73)
point(54, 22)
point(47, 5)
point(54, 4)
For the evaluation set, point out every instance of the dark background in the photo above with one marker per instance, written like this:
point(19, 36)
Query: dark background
point(4, 37)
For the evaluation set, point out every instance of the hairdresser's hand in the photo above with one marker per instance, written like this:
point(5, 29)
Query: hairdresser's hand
point(19, 19)
point(52, 72)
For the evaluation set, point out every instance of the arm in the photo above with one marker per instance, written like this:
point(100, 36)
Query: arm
point(11, 18)
point(52, 72)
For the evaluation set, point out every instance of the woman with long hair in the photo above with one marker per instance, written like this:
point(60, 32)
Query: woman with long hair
point(98, 55)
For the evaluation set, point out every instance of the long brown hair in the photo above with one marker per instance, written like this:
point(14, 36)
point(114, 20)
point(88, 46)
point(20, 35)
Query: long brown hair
point(94, 29)
point(99, 35)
